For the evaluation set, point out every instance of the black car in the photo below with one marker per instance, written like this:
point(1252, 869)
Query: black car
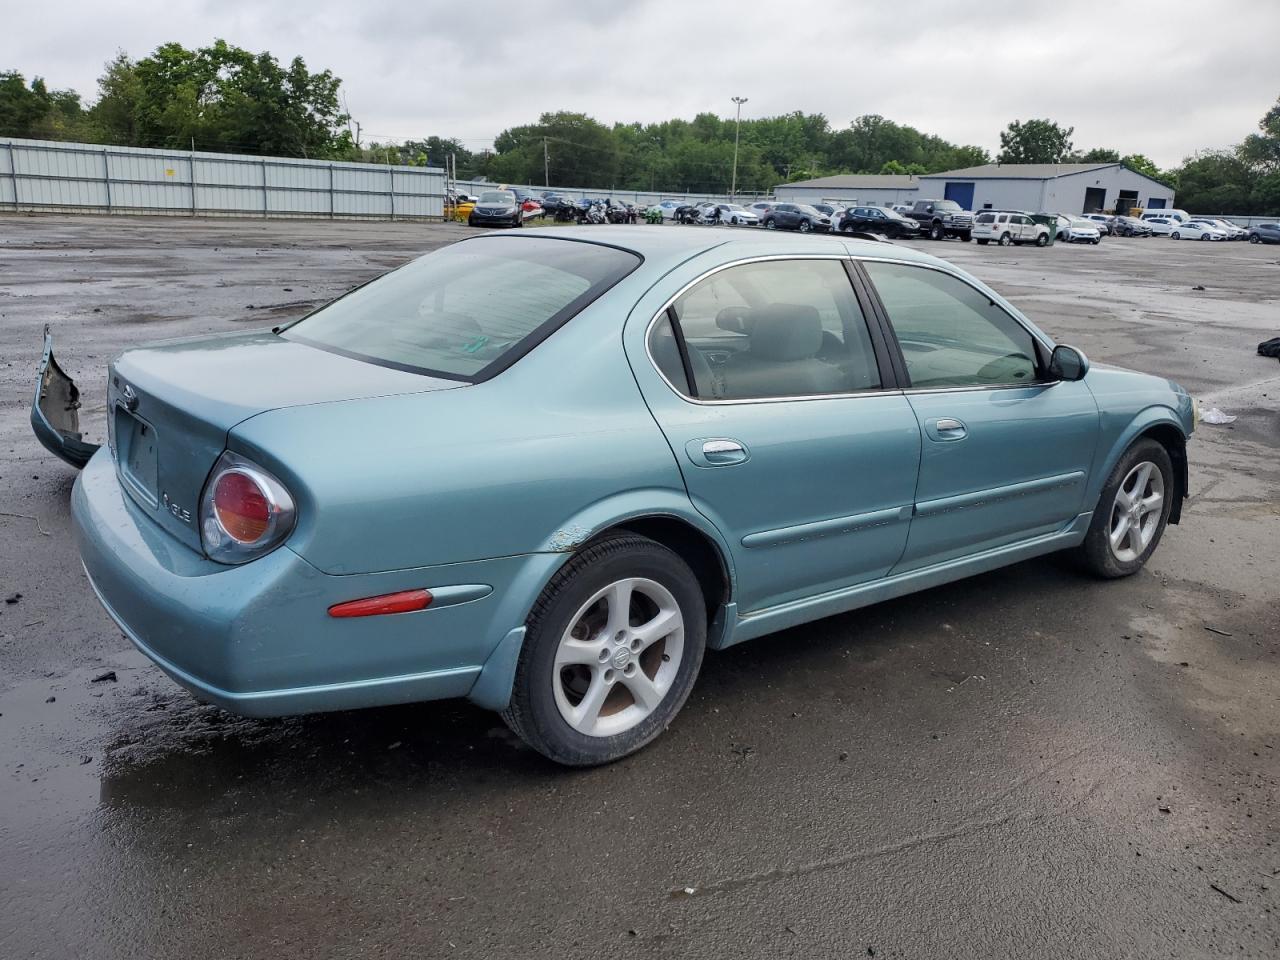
point(497, 208)
point(795, 216)
point(1264, 233)
point(881, 220)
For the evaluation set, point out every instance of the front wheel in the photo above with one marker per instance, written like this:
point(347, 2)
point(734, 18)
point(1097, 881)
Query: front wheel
point(1175, 235)
point(1253, 238)
point(1131, 513)
point(965, 237)
point(770, 224)
point(1204, 236)
point(612, 650)
point(936, 232)
point(805, 226)
point(1042, 240)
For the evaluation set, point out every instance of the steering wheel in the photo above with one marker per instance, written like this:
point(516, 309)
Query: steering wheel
point(998, 370)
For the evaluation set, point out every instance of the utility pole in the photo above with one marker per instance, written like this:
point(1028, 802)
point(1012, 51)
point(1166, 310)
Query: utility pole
point(546, 165)
point(737, 126)
point(357, 134)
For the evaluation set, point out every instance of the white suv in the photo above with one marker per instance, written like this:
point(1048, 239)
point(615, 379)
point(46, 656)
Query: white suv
point(1005, 228)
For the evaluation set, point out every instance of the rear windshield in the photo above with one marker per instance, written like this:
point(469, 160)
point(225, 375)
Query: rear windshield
point(497, 196)
point(469, 310)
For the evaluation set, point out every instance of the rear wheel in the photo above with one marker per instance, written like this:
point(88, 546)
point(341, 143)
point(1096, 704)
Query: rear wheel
point(966, 237)
point(805, 226)
point(1253, 238)
point(1204, 236)
point(1132, 512)
point(1042, 240)
point(1005, 239)
point(770, 223)
point(613, 647)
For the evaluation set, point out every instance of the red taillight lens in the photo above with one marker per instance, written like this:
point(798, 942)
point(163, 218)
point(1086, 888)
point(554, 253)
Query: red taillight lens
point(241, 507)
point(406, 601)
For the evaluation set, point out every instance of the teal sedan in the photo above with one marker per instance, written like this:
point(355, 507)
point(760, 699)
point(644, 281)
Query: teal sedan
point(548, 470)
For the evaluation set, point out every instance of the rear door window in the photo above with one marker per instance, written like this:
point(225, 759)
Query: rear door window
point(785, 328)
point(469, 310)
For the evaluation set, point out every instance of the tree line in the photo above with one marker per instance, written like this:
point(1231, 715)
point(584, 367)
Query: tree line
point(223, 98)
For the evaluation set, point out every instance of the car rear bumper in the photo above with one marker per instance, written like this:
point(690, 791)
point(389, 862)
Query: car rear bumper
point(257, 639)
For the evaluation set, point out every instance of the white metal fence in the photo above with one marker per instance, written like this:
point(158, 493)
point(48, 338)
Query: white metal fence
point(41, 175)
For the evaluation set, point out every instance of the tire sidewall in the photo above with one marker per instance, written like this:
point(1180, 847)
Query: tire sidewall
point(642, 558)
point(1097, 548)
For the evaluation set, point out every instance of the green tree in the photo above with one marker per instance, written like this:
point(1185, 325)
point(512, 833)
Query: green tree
point(1142, 164)
point(1096, 155)
point(1035, 141)
point(37, 112)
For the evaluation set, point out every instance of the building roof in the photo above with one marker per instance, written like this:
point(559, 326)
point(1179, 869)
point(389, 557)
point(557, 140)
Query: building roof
point(1021, 171)
point(857, 181)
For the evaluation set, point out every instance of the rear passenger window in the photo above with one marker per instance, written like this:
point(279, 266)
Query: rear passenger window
point(951, 334)
point(780, 328)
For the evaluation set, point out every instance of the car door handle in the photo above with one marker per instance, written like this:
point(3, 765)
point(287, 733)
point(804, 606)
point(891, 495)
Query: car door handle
point(716, 452)
point(946, 428)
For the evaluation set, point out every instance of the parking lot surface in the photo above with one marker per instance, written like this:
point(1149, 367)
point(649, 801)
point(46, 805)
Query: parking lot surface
point(1025, 763)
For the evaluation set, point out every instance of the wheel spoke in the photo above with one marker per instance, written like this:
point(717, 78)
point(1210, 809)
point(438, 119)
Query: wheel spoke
point(662, 625)
point(645, 691)
point(587, 712)
point(576, 651)
point(619, 600)
point(1124, 498)
point(1120, 531)
point(1152, 503)
point(1144, 477)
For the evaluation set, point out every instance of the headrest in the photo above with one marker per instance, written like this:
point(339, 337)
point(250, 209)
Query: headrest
point(786, 331)
point(736, 319)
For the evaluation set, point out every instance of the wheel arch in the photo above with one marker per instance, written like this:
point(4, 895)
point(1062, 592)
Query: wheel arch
point(1161, 424)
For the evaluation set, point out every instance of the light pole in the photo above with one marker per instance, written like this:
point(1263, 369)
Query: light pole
point(737, 127)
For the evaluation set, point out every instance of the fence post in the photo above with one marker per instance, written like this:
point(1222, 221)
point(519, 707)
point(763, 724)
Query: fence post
point(13, 173)
point(264, 189)
point(391, 190)
point(331, 190)
point(106, 176)
point(191, 170)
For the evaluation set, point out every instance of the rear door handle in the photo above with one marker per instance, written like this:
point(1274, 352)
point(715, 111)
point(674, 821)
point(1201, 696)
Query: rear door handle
point(945, 428)
point(717, 452)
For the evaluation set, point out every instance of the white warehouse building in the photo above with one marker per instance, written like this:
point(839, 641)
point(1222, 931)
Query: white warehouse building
point(1048, 187)
point(1036, 187)
point(869, 189)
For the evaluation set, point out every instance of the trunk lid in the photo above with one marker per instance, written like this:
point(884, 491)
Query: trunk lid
point(170, 406)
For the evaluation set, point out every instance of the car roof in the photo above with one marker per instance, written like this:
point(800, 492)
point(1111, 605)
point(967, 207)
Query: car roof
point(669, 246)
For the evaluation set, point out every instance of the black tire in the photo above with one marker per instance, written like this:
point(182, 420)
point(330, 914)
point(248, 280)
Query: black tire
point(1005, 239)
point(936, 232)
point(1095, 553)
point(532, 713)
point(1042, 240)
point(1175, 235)
point(983, 243)
point(805, 226)
point(770, 223)
point(847, 228)
point(1204, 236)
point(1096, 242)
point(471, 221)
point(1253, 238)
point(966, 237)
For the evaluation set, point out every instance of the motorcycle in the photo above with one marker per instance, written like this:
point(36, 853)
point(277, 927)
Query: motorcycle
point(653, 215)
point(591, 211)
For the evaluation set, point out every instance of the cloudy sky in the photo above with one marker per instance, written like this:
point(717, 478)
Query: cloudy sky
point(1161, 77)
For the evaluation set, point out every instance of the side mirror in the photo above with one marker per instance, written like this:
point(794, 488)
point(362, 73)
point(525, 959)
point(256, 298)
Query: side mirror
point(1067, 363)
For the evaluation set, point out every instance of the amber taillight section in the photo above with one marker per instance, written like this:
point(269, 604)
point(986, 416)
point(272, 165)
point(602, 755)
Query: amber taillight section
point(241, 507)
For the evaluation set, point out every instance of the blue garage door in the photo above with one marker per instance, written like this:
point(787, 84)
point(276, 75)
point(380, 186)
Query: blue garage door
point(961, 193)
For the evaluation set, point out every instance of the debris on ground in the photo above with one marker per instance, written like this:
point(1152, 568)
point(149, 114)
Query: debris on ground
point(108, 677)
point(13, 598)
point(1270, 348)
point(1221, 633)
point(1215, 416)
point(1198, 286)
point(1232, 897)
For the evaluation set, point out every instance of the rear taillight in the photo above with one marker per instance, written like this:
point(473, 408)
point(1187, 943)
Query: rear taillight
point(245, 511)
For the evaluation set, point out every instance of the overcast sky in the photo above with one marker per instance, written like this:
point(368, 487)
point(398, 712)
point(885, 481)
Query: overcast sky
point(1161, 77)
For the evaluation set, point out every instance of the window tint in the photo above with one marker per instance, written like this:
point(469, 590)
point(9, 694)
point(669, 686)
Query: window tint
point(781, 328)
point(986, 218)
point(951, 334)
point(459, 311)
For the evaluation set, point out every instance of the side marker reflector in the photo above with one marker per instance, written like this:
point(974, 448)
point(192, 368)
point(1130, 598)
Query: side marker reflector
point(406, 601)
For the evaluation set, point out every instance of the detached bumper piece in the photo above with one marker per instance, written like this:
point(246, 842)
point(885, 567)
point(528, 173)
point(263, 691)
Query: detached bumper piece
point(55, 411)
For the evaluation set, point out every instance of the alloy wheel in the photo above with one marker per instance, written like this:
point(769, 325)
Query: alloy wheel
point(1136, 512)
point(619, 657)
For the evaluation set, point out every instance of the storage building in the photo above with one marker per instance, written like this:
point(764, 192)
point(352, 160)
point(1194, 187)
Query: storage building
point(864, 188)
point(1049, 187)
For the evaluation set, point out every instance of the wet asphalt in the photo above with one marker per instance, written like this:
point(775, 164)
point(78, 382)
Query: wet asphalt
point(1029, 762)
